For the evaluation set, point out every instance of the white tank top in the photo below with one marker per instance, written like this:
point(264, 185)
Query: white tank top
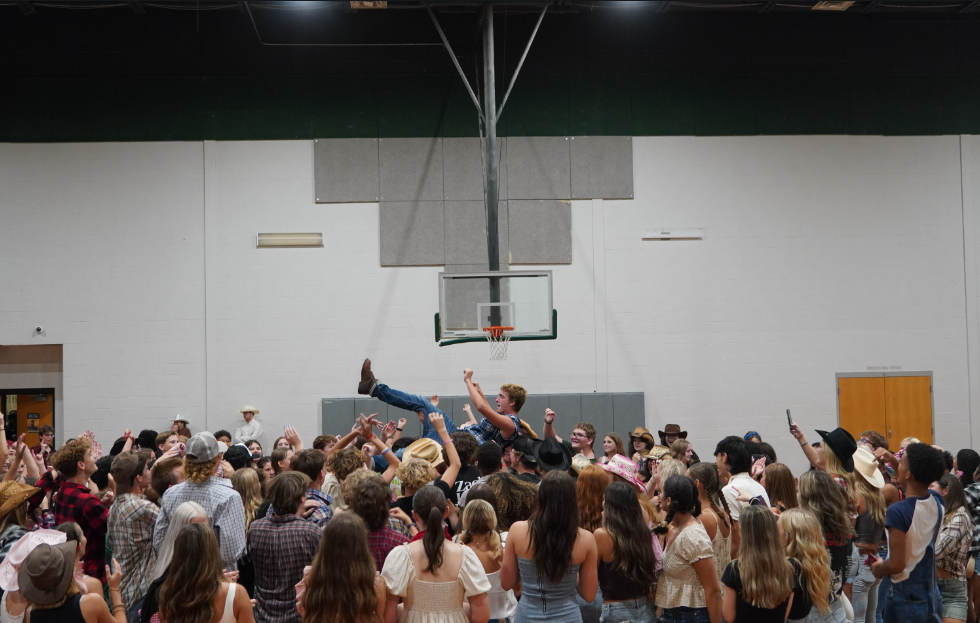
point(503, 604)
point(6, 617)
point(229, 614)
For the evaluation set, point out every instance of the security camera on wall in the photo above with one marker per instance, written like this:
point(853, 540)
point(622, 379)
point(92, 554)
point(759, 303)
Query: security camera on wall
point(39, 330)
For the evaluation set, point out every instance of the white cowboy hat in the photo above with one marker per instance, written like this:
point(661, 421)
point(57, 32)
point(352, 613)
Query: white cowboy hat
point(866, 464)
point(181, 418)
point(249, 408)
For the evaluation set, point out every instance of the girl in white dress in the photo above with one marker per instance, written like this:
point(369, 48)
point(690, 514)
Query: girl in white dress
point(433, 577)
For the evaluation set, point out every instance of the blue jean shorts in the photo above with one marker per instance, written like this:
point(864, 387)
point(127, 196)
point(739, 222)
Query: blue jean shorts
point(685, 615)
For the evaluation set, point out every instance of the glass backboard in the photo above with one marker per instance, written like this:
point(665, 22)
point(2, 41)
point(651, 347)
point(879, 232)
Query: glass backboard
point(472, 302)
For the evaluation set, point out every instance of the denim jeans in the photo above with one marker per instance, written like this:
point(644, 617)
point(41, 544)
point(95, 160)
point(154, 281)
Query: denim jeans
point(633, 610)
point(953, 598)
point(591, 610)
point(911, 601)
point(414, 403)
point(685, 615)
point(836, 614)
point(864, 592)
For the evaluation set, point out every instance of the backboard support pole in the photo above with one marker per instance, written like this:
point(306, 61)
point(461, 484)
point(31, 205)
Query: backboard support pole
point(491, 160)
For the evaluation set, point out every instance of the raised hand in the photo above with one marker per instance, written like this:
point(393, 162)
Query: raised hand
point(434, 400)
point(467, 374)
point(388, 431)
point(402, 422)
point(400, 515)
point(174, 450)
point(115, 575)
point(289, 432)
point(467, 410)
point(758, 467)
point(438, 422)
point(549, 416)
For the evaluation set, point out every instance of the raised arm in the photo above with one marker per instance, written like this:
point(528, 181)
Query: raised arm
point(449, 476)
point(501, 421)
point(811, 454)
point(549, 425)
point(289, 432)
point(349, 437)
point(383, 450)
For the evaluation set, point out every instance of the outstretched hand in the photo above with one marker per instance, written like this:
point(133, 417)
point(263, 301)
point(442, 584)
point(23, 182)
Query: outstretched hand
point(758, 467)
point(289, 432)
point(467, 374)
point(438, 422)
point(388, 431)
point(549, 416)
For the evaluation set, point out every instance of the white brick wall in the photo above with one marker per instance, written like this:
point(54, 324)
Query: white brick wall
point(821, 255)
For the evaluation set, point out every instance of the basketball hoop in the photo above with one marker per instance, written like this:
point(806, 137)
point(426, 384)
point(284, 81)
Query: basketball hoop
point(498, 338)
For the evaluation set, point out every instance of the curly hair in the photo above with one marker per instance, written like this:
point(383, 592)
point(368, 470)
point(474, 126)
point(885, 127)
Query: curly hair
point(353, 480)
point(199, 472)
point(370, 499)
point(590, 489)
point(66, 459)
point(516, 499)
point(344, 462)
point(516, 393)
point(415, 474)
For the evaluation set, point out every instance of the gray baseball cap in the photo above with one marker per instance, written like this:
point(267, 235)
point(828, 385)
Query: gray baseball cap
point(201, 448)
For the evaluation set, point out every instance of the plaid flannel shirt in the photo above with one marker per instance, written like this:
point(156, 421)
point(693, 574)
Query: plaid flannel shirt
point(382, 541)
point(322, 513)
point(972, 494)
point(484, 431)
point(280, 548)
point(131, 521)
point(953, 543)
point(223, 505)
point(74, 502)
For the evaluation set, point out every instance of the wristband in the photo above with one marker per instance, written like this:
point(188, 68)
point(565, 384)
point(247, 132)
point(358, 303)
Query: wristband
point(447, 442)
point(385, 450)
point(398, 429)
point(370, 437)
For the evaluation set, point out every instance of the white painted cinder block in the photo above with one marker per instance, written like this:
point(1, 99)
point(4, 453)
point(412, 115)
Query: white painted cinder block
point(820, 255)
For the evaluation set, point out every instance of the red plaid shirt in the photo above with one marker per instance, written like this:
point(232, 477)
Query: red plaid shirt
point(75, 502)
point(382, 541)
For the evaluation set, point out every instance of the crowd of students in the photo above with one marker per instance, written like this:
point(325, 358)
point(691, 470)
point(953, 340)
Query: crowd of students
point(484, 522)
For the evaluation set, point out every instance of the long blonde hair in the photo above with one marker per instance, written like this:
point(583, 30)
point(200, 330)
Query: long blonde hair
point(246, 483)
point(670, 466)
point(805, 543)
point(479, 518)
point(181, 517)
point(832, 465)
point(873, 497)
point(766, 574)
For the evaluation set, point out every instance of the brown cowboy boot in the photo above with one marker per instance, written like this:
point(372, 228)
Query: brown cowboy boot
point(368, 382)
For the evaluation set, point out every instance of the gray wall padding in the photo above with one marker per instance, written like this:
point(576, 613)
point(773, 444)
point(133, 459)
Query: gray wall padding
point(538, 167)
point(466, 232)
point(411, 169)
point(608, 412)
point(540, 232)
point(463, 169)
point(345, 170)
point(412, 233)
point(602, 167)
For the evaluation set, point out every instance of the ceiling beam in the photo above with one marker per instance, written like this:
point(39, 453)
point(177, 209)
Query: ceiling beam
point(969, 6)
point(27, 8)
point(768, 6)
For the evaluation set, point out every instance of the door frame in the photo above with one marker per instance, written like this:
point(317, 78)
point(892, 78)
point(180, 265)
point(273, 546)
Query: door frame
point(33, 390)
point(878, 375)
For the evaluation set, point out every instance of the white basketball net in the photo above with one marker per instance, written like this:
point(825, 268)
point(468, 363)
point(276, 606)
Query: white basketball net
point(498, 338)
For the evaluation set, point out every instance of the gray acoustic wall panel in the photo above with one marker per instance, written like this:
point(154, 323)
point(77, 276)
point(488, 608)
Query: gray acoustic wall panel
point(411, 169)
point(620, 412)
point(412, 233)
point(463, 166)
point(345, 170)
point(540, 232)
point(538, 167)
point(602, 167)
point(628, 412)
point(466, 232)
point(598, 409)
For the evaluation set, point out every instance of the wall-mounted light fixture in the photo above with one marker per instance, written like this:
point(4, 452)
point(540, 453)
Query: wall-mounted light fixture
point(272, 241)
point(675, 233)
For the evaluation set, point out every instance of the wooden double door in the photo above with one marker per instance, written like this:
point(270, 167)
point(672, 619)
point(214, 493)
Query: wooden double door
point(896, 406)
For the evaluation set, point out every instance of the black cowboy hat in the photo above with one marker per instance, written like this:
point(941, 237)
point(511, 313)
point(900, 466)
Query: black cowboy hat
point(842, 444)
point(552, 455)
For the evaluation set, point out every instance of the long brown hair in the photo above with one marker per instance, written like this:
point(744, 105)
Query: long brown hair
point(822, 496)
point(340, 584)
point(196, 573)
point(707, 475)
point(780, 485)
point(552, 529)
point(766, 574)
point(632, 546)
point(954, 498)
point(429, 504)
point(873, 497)
point(590, 488)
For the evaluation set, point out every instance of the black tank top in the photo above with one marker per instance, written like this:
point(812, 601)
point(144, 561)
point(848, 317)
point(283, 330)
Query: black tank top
point(616, 586)
point(69, 612)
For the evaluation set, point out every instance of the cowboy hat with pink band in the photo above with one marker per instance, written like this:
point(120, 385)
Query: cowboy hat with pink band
point(626, 469)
